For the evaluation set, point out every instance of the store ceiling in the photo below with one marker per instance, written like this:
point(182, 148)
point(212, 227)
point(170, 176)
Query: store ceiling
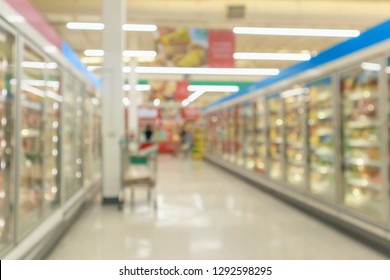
point(339, 14)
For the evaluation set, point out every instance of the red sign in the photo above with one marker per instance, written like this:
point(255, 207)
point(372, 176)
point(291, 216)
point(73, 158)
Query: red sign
point(221, 48)
point(190, 113)
point(181, 90)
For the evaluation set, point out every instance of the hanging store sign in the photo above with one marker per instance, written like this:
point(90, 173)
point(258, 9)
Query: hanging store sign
point(221, 48)
point(181, 90)
point(190, 113)
point(181, 47)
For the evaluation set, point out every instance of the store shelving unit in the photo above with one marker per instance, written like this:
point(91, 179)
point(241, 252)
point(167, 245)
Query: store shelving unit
point(53, 106)
point(230, 135)
point(7, 90)
point(31, 179)
point(327, 149)
point(295, 136)
point(276, 148)
point(248, 135)
point(236, 144)
point(43, 151)
point(260, 139)
point(361, 141)
point(321, 134)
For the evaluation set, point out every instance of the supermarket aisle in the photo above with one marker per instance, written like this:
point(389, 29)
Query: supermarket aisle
point(205, 213)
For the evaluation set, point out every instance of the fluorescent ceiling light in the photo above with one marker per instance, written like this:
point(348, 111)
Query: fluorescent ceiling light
point(272, 56)
point(94, 52)
point(213, 88)
point(138, 87)
point(296, 32)
point(192, 97)
point(370, 66)
point(139, 27)
point(139, 54)
point(85, 25)
point(130, 53)
point(205, 71)
point(100, 26)
point(39, 65)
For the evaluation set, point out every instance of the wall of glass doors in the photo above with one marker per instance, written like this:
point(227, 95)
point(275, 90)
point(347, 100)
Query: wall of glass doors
point(49, 136)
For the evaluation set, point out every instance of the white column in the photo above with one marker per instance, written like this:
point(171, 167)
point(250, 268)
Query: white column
point(113, 14)
point(134, 99)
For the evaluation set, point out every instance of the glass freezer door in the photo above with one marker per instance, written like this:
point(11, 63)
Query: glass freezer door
point(320, 121)
point(388, 126)
point(248, 137)
point(7, 95)
point(275, 137)
point(53, 106)
point(32, 135)
point(294, 120)
point(360, 122)
point(260, 136)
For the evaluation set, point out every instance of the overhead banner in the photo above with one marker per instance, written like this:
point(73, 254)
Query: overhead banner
point(163, 90)
point(221, 48)
point(181, 47)
point(182, 90)
point(190, 113)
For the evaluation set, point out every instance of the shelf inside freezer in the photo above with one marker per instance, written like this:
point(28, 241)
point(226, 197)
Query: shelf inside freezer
point(361, 95)
point(363, 143)
point(364, 183)
point(361, 124)
point(362, 162)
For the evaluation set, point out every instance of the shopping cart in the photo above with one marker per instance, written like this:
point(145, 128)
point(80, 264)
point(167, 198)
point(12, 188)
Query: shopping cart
point(139, 169)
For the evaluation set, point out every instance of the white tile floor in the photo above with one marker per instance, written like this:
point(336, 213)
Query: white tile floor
point(205, 213)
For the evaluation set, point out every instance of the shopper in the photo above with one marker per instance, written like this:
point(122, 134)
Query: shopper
point(148, 133)
point(186, 137)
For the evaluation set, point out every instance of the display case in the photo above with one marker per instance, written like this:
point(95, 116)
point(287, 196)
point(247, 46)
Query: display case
point(321, 134)
point(236, 144)
point(7, 118)
point(388, 126)
point(248, 136)
point(275, 137)
point(53, 109)
point(240, 136)
point(88, 137)
point(260, 139)
point(225, 134)
point(231, 134)
point(31, 173)
point(362, 180)
point(295, 140)
point(71, 88)
point(220, 135)
point(212, 133)
point(79, 136)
